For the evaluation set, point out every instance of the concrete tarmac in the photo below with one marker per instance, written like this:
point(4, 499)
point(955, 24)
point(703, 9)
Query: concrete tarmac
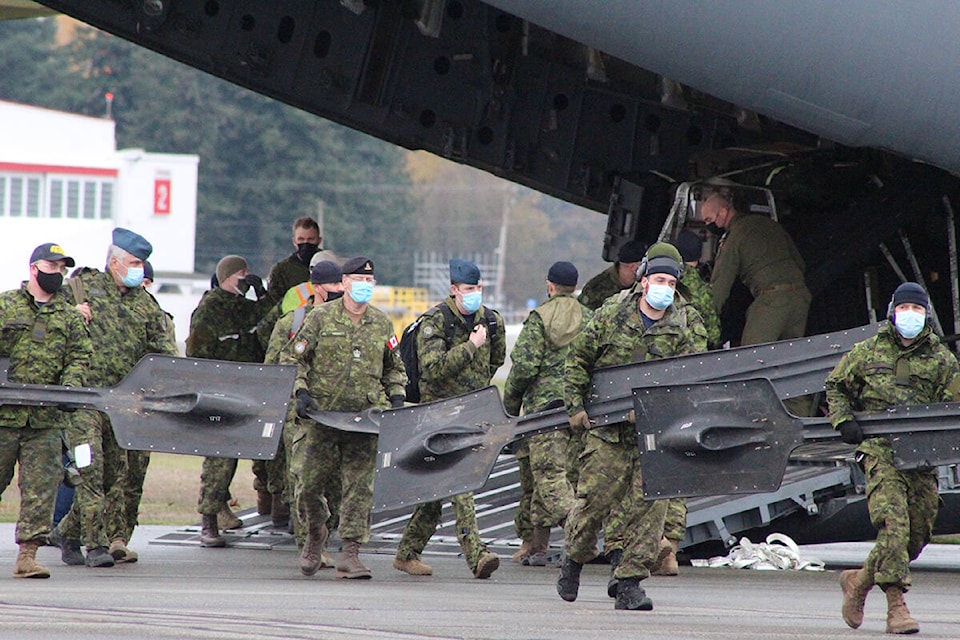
point(187, 592)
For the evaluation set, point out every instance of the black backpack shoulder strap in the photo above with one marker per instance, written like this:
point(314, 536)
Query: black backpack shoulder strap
point(449, 321)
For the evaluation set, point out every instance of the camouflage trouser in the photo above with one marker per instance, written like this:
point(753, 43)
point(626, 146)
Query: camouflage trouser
point(423, 523)
point(609, 475)
point(903, 506)
point(674, 524)
point(270, 475)
point(136, 473)
point(215, 478)
point(321, 455)
point(552, 495)
point(522, 523)
point(96, 517)
point(38, 452)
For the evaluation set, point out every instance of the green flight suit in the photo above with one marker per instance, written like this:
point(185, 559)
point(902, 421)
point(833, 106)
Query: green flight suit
point(46, 344)
point(877, 374)
point(759, 252)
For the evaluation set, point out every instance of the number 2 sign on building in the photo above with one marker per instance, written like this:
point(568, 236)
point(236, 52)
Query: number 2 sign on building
point(161, 196)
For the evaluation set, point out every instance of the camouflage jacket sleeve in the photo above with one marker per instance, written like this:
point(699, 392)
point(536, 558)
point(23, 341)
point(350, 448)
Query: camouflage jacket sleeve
point(394, 377)
point(77, 358)
point(581, 358)
point(437, 362)
point(266, 325)
point(525, 361)
point(844, 384)
point(498, 347)
point(160, 336)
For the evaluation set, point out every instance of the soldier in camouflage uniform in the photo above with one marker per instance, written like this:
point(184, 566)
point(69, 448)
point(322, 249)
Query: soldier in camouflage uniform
point(223, 327)
point(645, 325)
point(347, 360)
point(759, 252)
point(611, 281)
point(327, 280)
point(125, 324)
point(47, 343)
point(535, 380)
point(466, 363)
point(295, 268)
point(905, 363)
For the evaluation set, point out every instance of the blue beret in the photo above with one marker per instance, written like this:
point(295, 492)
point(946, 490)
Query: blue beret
point(133, 243)
point(563, 273)
point(464, 272)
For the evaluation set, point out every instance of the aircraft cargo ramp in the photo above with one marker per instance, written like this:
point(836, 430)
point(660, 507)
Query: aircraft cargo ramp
point(821, 500)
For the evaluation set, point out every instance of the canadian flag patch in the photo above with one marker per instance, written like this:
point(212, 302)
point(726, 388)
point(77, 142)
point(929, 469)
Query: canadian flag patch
point(393, 343)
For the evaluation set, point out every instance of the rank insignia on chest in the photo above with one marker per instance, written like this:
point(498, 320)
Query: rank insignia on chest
point(356, 353)
point(300, 347)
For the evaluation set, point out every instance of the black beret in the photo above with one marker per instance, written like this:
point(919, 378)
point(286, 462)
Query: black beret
point(464, 272)
point(361, 265)
point(631, 251)
point(689, 245)
point(563, 273)
point(325, 271)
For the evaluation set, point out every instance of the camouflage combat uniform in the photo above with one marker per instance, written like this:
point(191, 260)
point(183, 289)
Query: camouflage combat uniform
point(697, 292)
point(287, 273)
point(610, 473)
point(223, 327)
point(447, 371)
point(760, 252)
point(125, 326)
point(345, 367)
point(283, 331)
point(535, 380)
point(875, 375)
point(600, 287)
point(46, 344)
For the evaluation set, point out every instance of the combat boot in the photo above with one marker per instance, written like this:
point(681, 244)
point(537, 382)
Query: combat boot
point(539, 542)
point(486, 565)
point(631, 596)
point(70, 553)
point(227, 519)
point(613, 557)
point(264, 502)
point(210, 533)
point(326, 562)
point(99, 557)
point(279, 512)
point(522, 552)
point(349, 565)
point(310, 557)
point(414, 566)
point(898, 616)
point(855, 586)
point(568, 584)
point(668, 563)
point(120, 552)
point(27, 566)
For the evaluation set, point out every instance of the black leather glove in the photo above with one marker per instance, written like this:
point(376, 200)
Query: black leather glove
point(397, 401)
point(305, 403)
point(257, 283)
point(850, 431)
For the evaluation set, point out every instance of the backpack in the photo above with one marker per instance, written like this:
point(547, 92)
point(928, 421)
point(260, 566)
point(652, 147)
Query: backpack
point(408, 343)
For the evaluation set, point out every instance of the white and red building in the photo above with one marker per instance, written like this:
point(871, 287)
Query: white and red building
point(63, 180)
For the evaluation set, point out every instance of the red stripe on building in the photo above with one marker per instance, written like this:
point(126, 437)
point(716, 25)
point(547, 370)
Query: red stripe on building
point(53, 168)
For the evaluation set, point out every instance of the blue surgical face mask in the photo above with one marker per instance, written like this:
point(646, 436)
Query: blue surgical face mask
point(909, 323)
point(659, 296)
point(133, 278)
point(361, 292)
point(472, 301)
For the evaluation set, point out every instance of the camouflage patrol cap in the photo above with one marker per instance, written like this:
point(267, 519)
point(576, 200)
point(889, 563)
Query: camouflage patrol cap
point(51, 251)
point(359, 265)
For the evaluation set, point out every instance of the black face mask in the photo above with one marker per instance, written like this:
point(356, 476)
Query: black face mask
point(714, 229)
point(49, 282)
point(305, 251)
point(334, 295)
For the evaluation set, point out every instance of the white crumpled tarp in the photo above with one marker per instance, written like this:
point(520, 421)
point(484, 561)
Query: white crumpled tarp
point(779, 552)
